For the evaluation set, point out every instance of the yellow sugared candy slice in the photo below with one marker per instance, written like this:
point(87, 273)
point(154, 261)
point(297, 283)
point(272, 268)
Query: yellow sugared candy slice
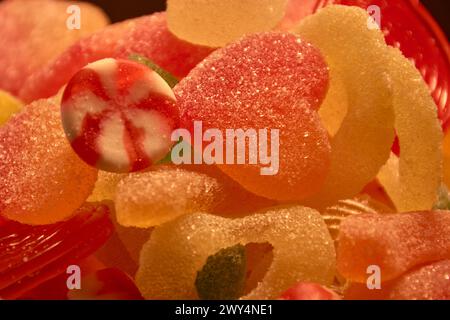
point(362, 139)
point(105, 187)
point(302, 251)
point(446, 152)
point(8, 106)
point(215, 23)
point(412, 181)
point(151, 198)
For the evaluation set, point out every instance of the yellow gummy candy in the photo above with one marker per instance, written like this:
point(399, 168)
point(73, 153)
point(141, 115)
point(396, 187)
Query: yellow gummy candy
point(412, 181)
point(215, 23)
point(302, 251)
point(105, 186)
point(357, 110)
point(151, 198)
point(8, 106)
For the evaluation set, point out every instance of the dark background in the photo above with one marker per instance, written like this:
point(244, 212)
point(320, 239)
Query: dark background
point(123, 9)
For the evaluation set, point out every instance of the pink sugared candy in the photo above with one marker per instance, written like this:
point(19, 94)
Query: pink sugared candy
point(394, 242)
point(147, 36)
point(33, 33)
point(430, 282)
point(119, 115)
point(273, 81)
point(309, 291)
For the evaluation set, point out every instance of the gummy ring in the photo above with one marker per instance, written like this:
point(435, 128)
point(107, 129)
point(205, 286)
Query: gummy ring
point(303, 251)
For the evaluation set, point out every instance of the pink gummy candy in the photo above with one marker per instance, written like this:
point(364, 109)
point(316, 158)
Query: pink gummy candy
point(431, 282)
point(309, 291)
point(393, 242)
point(273, 81)
point(119, 115)
point(35, 32)
point(147, 36)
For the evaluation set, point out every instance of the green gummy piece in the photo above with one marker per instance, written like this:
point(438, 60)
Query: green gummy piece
point(167, 76)
point(223, 275)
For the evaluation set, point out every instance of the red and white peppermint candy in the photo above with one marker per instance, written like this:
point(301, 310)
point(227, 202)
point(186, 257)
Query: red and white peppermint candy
point(119, 115)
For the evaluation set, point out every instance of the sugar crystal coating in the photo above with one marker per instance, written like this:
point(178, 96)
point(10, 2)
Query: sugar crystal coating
point(303, 251)
point(147, 36)
point(151, 198)
point(41, 179)
point(430, 282)
point(216, 23)
point(412, 181)
point(264, 81)
point(355, 55)
point(394, 242)
point(105, 186)
point(236, 201)
point(35, 32)
point(119, 115)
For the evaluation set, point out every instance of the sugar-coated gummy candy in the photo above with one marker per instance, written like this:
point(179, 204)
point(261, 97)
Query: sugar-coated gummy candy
point(394, 242)
point(446, 160)
point(236, 201)
point(8, 106)
point(264, 81)
point(35, 32)
point(309, 291)
point(151, 198)
point(430, 282)
point(413, 179)
point(216, 23)
point(355, 55)
point(105, 186)
point(147, 36)
point(302, 251)
point(41, 179)
point(119, 115)
point(295, 11)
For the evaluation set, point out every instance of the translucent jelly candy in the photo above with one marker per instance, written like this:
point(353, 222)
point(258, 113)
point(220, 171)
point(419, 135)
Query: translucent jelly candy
point(394, 242)
point(147, 36)
point(152, 198)
point(119, 115)
point(217, 23)
point(35, 32)
point(412, 181)
point(41, 179)
point(8, 106)
point(429, 282)
point(31, 255)
point(250, 85)
point(355, 55)
point(303, 251)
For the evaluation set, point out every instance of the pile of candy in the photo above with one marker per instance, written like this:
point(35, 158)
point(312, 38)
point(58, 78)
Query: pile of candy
point(346, 201)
